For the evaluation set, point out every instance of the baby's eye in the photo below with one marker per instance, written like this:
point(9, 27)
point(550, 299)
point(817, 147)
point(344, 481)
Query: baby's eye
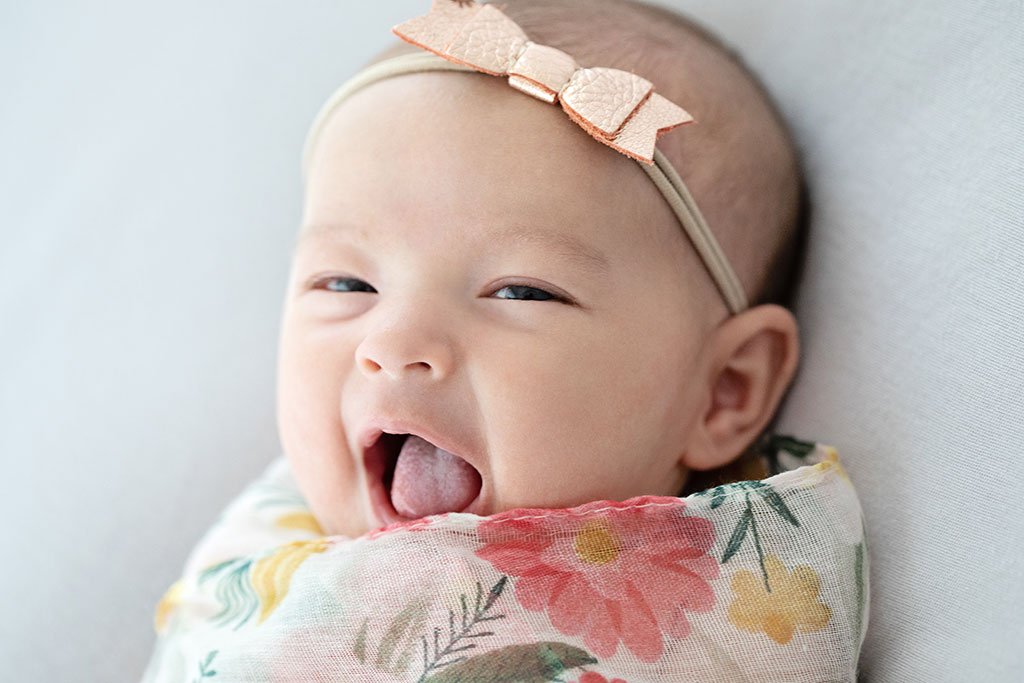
point(346, 284)
point(524, 293)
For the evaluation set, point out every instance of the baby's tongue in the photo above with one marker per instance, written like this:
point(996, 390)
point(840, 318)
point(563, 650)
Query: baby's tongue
point(429, 481)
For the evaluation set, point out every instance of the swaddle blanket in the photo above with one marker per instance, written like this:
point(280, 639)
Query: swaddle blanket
point(762, 580)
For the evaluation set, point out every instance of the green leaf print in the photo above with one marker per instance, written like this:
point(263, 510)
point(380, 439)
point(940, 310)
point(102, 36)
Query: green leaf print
point(747, 521)
point(530, 663)
point(859, 576)
point(770, 445)
point(772, 497)
point(204, 667)
point(234, 591)
point(739, 533)
point(359, 648)
point(391, 655)
point(470, 620)
point(793, 446)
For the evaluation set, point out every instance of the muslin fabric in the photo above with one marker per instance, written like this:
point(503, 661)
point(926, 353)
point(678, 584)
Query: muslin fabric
point(761, 580)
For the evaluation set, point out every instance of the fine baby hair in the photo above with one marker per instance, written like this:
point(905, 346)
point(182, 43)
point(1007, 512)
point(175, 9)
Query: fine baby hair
point(628, 114)
point(617, 108)
point(738, 159)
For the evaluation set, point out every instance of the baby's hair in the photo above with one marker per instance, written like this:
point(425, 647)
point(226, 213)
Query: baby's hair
point(738, 159)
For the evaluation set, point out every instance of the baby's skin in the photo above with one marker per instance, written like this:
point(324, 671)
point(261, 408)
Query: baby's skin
point(476, 270)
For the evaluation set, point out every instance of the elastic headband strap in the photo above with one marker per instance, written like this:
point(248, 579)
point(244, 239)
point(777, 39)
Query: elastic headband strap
point(664, 176)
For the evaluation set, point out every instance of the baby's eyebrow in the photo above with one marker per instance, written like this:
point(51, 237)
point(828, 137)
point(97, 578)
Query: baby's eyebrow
point(567, 246)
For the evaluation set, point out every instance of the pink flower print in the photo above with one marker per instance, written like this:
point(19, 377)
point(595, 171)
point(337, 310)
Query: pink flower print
point(594, 677)
point(409, 525)
point(609, 571)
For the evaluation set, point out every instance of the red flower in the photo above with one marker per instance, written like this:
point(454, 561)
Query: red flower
point(610, 571)
point(593, 677)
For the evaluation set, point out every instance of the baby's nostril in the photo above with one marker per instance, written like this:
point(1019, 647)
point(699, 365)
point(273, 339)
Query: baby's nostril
point(370, 364)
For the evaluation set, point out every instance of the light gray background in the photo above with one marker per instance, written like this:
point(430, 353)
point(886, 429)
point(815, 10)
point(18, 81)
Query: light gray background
point(149, 192)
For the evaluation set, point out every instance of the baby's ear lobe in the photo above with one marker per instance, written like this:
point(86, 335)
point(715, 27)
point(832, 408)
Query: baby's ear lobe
point(750, 360)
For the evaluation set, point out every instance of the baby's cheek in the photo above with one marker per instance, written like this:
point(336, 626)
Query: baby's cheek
point(635, 401)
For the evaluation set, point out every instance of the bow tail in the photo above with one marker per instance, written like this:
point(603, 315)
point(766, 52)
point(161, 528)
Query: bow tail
point(436, 31)
point(656, 115)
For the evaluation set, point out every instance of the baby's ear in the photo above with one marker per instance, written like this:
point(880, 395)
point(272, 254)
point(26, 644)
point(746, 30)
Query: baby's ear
point(749, 361)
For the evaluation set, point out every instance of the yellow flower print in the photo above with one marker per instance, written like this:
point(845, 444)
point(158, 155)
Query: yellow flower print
point(791, 604)
point(272, 575)
point(168, 604)
point(300, 520)
point(596, 543)
point(811, 476)
point(830, 463)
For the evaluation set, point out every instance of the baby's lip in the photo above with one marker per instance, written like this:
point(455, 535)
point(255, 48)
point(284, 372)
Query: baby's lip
point(371, 432)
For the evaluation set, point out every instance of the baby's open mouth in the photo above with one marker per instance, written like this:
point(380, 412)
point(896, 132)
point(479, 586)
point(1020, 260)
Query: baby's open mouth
point(421, 479)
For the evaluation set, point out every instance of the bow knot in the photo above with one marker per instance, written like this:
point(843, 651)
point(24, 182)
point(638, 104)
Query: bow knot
point(618, 108)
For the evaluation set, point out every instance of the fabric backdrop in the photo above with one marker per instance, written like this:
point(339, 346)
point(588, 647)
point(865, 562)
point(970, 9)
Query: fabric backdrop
point(150, 175)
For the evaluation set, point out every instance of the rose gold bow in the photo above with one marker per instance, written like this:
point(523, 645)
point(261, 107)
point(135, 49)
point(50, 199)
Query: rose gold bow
point(617, 107)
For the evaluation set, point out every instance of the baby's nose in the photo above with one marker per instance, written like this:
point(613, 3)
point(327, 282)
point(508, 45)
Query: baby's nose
point(405, 348)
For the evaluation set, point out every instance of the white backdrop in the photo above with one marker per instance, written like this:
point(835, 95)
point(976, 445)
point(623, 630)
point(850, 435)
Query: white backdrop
point(149, 166)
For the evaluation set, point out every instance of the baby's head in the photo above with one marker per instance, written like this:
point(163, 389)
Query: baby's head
point(475, 269)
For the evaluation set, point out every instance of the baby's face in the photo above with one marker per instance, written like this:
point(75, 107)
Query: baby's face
point(477, 270)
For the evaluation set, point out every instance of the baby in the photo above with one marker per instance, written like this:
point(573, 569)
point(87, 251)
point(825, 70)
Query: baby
point(489, 310)
point(475, 270)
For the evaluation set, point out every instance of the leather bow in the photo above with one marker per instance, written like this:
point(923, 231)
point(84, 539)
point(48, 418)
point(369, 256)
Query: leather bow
point(616, 107)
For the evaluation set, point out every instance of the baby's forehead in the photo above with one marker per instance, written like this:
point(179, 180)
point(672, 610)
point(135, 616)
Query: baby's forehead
point(466, 146)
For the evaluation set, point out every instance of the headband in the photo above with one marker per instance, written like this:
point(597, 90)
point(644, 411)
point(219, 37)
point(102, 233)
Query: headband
point(617, 108)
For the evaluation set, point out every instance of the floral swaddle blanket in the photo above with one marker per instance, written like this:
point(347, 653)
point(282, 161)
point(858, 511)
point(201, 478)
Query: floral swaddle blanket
point(761, 580)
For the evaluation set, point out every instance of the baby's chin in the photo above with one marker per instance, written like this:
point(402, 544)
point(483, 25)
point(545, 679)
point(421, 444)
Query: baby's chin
point(339, 509)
